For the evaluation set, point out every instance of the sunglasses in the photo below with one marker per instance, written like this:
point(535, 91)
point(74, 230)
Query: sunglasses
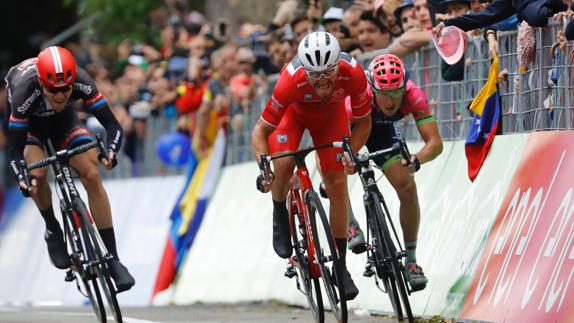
point(59, 89)
point(393, 94)
point(326, 73)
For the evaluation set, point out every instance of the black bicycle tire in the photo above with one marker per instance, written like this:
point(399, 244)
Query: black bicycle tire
point(314, 203)
point(399, 278)
point(315, 305)
point(384, 271)
point(97, 303)
point(102, 270)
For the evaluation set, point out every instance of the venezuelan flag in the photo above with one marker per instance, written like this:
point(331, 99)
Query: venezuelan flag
point(486, 106)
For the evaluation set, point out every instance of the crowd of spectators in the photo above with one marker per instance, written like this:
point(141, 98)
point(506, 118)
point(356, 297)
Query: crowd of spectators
point(204, 75)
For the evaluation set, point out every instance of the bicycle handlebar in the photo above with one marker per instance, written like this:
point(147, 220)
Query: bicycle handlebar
point(64, 155)
point(361, 159)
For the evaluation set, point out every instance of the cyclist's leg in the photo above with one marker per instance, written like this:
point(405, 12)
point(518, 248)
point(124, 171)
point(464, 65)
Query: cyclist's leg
point(42, 196)
point(284, 139)
point(86, 164)
point(335, 180)
point(405, 186)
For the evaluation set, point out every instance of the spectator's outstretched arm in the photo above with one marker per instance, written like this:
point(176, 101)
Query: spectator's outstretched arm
point(497, 11)
point(410, 42)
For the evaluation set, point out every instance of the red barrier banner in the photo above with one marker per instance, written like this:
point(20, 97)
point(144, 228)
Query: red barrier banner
point(526, 269)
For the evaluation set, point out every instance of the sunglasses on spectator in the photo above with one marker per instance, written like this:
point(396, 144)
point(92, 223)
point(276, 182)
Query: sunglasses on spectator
point(59, 89)
point(330, 72)
point(393, 94)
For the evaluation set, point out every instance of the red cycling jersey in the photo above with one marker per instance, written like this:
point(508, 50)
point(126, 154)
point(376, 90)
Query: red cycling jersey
point(295, 107)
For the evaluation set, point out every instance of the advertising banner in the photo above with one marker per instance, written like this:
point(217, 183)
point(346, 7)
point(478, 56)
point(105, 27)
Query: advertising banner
point(526, 268)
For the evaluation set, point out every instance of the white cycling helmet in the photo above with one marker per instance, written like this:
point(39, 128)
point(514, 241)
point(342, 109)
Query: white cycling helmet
point(319, 51)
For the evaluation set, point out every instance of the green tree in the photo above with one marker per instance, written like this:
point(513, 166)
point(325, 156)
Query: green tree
point(119, 19)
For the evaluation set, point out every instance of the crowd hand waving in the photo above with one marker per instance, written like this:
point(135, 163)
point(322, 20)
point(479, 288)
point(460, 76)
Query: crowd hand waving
point(315, 10)
point(438, 29)
point(285, 12)
point(366, 5)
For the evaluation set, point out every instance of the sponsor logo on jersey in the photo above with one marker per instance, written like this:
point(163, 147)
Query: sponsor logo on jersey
point(339, 156)
point(275, 104)
point(344, 78)
point(87, 89)
point(26, 105)
point(282, 138)
point(337, 94)
point(302, 84)
point(27, 65)
point(308, 96)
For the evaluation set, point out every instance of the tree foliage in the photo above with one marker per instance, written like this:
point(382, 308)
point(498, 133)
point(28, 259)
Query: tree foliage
point(119, 19)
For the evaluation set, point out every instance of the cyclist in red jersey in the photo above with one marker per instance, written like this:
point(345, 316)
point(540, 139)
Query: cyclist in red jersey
point(310, 94)
point(393, 96)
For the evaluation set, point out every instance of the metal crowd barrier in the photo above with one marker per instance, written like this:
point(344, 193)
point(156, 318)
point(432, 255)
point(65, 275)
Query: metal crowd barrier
point(529, 103)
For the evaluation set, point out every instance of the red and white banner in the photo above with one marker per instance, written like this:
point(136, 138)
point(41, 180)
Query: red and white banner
point(526, 269)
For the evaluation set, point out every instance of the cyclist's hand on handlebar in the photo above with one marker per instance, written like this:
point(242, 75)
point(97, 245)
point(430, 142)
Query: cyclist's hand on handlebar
point(262, 185)
point(110, 161)
point(414, 164)
point(348, 164)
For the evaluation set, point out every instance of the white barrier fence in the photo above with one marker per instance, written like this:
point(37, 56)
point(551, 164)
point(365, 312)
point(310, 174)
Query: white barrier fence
point(140, 208)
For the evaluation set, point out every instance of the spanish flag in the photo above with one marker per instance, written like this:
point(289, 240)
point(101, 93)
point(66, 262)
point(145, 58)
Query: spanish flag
point(486, 106)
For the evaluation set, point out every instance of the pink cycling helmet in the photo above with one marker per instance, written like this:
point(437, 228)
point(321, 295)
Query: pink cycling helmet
point(386, 73)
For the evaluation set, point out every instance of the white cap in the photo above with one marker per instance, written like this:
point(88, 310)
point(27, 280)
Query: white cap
point(333, 13)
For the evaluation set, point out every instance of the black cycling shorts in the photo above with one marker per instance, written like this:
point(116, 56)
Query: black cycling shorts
point(64, 129)
point(383, 136)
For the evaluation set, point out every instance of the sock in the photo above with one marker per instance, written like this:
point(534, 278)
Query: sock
point(109, 238)
point(411, 249)
point(51, 223)
point(280, 206)
point(352, 221)
point(342, 248)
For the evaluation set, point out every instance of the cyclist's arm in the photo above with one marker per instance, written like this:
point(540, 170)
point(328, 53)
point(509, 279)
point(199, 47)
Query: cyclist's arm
point(433, 142)
point(259, 135)
point(360, 133)
point(114, 131)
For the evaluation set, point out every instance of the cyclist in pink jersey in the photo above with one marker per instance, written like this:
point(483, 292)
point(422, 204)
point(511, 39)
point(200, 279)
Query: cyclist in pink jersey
point(393, 96)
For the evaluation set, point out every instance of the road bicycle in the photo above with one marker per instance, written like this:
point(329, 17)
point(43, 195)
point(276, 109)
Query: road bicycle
point(89, 257)
point(315, 256)
point(384, 251)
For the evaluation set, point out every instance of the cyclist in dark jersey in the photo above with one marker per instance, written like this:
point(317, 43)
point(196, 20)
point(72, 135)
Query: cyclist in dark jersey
point(393, 97)
point(40, 93)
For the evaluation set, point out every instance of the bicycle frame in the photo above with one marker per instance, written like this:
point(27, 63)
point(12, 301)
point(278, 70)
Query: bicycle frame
point(299, 186)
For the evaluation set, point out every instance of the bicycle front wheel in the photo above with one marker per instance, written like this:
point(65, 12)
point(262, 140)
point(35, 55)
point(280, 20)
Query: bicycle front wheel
point(390, 252)
point(302, 261)
point(101, 267)
point(81, 256)
point(327, 256)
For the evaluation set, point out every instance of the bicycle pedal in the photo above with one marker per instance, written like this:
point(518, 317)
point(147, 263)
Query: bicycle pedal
point(290, 272)
point(69, 276)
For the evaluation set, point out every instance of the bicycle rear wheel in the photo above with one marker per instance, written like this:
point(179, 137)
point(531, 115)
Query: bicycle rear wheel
point(101, 268)
point(390, 251)
point(303, 265)
point(80, 257)
point(327, 256)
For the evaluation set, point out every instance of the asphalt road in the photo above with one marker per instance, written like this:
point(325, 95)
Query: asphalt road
point(245, 313)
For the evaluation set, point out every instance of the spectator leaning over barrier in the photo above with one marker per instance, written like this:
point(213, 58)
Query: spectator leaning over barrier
point(405, 16)
point(417, 37)
point(213, 112)
point(372, 36)
point(534, 12)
